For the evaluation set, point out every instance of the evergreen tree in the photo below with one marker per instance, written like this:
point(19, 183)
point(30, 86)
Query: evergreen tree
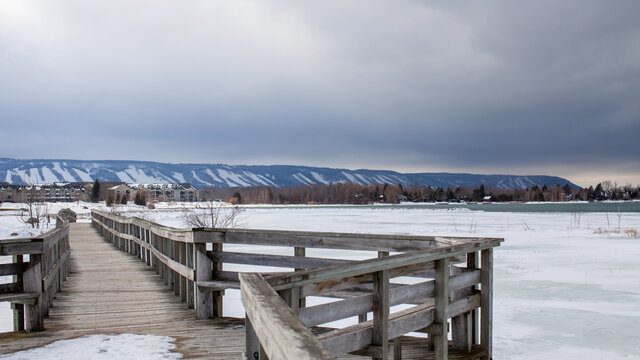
point(95, 191)
point(125, 199)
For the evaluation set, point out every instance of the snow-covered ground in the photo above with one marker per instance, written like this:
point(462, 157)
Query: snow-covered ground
point(103, 347)
point(565, 286)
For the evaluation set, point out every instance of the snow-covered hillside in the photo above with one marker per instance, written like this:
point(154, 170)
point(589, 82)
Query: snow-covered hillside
point(219, 175)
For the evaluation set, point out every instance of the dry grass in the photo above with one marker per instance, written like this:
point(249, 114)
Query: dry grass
point(632, 233)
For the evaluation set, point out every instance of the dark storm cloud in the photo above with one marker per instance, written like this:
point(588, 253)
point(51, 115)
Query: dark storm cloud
point(499, 86)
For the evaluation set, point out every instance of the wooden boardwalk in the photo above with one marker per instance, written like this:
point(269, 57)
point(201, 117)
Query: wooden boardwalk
point(133, 299)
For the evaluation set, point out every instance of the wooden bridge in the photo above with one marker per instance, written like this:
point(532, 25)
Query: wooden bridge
point(174, 271)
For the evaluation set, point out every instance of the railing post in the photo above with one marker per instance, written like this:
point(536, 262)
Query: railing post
point(302, 302)
point(380, 333)
point(462, 332)
point(32, 283)
point(252, 343)
point(486, 300)
point(440, 326)
point(18, 309)
point(204, 272)
point(217, 295)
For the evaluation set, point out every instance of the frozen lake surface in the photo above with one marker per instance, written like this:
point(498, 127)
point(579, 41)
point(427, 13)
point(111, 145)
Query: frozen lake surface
point(566, 284)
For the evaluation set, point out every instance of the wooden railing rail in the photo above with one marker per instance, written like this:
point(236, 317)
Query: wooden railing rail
point(36, 282)
point(452, 286)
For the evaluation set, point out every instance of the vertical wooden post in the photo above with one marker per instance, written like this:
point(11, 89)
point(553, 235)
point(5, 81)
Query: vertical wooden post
point(183, 280)
point(217, 295)
point(32, 283)
point(380, 333)
point(175, 251)
point(190, 284)
point(301, 252)
point(472, 263)
point(486, 300)
point(461, 325)
point(440, 341)
point(204, 272)
point(18, 309)
point(252, 343)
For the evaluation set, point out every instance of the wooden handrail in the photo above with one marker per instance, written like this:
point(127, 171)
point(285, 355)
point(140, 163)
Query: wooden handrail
point(275, 303)
point(282, 335)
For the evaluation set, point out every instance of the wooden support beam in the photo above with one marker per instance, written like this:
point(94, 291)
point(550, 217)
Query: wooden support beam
point(32, 283)
point(204, 272)
point(281, 334)
point(440, 339)
point(380, 332)
point(486, 302)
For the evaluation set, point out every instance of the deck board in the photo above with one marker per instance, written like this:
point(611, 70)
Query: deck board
point(96, 299)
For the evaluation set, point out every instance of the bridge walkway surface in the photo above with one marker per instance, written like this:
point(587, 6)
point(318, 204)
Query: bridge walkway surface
point(112, 292)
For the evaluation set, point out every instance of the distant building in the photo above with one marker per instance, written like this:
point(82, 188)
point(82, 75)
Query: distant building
point(57, 192)
point(184, 192)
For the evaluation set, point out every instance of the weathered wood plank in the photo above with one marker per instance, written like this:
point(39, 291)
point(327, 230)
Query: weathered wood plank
point(302, 263)
point(369, 266)
point(347, 241)
point(280, 332)
point(13, 268)
point(21, 248)
point(355, 337)
point(407, 294)
point(486, 307)
point(32, 283)
point(441, 343)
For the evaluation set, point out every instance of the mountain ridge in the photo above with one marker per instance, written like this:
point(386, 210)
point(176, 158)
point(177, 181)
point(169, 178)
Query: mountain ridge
point(22, 171)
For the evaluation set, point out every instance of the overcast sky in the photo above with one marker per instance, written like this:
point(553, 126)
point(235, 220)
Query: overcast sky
point(519, 87)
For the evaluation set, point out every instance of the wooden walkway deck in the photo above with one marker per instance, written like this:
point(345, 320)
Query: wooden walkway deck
point(134, 300)
point(96, 300)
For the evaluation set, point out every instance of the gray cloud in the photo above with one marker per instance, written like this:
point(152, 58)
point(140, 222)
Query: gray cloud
point(488, 86)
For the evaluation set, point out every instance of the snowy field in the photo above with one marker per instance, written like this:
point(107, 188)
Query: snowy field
point(566, 284)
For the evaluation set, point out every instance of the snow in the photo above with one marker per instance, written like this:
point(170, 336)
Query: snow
point(97, 347)
point(178, 176)
point(84, 176)
point(195, 176)
point(214, 177)
point(232, 179)
point(303, 179)
point(561, 289)
point(259, 178)
point(319, 178)
point(349, 177)
point(48, 177)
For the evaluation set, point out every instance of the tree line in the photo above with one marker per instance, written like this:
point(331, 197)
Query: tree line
point(351, 193)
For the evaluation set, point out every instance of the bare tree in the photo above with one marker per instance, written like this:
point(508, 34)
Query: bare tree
point(214, 215)
point(36, 210)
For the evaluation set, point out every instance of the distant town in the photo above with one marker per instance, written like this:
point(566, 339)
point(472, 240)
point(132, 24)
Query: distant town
point(342, 193)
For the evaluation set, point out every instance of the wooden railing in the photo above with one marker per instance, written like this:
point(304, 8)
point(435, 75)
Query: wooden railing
point(35, 282)
point(453, 278)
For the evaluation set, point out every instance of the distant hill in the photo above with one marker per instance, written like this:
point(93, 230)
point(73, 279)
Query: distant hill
point(16, 171)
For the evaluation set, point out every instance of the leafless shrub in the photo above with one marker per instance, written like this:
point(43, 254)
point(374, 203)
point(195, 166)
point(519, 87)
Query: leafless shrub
point(36, 211)
point(214, 215)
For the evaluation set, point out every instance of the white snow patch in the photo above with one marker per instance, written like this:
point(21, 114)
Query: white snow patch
point(66, 175)
point(259, 179)
point(319, 178)
point(97, 347)
point(213, 176)
point(303, 179)
point(232, 179)
point(198, 179)
point(178, 176)
point(362, 178)
point(350, 177)
point(48, 176)
point(84, 176)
